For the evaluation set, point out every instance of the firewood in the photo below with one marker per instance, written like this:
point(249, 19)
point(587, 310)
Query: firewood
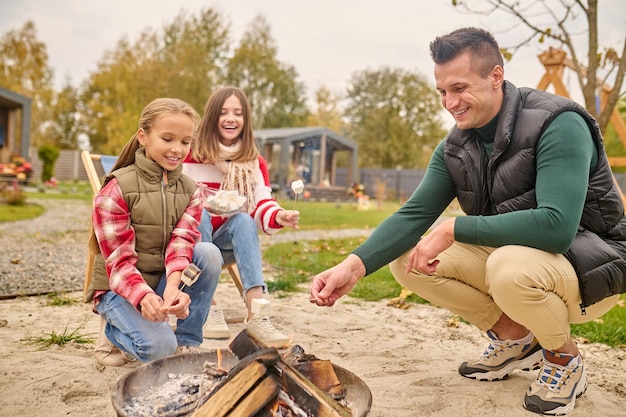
point(266, 392)
point(307, 395)
point(222, 401)
point(321, 373)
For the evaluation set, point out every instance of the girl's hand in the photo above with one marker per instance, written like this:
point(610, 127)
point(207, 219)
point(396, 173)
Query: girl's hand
point(151, 308)
point(176, 302)
point(288, 218)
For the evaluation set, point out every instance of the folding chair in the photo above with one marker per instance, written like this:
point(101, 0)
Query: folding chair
point(106, 162)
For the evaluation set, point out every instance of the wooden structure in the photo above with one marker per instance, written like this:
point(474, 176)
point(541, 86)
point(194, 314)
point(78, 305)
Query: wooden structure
point(11, 104)
point(306, 152)
point(555, 61)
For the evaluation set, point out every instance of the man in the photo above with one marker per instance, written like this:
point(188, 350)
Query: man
point(541, 245)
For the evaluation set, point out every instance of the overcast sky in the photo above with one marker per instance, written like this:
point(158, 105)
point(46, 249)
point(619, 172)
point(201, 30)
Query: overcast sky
point(325, 40)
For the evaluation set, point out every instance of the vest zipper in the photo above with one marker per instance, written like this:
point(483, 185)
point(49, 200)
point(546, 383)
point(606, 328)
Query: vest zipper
point(164, 183)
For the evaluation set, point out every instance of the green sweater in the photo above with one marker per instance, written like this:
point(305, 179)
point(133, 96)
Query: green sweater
point(565, 157)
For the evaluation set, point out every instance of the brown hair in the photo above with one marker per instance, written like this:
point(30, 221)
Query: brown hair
point(480, 43)
point(151, 114)
point(207, 146)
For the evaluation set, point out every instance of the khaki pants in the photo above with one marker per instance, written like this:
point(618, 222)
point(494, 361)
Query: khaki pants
point(536, 289)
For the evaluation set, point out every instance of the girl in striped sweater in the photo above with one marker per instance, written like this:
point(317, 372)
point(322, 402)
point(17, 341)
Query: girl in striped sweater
point(226, 157)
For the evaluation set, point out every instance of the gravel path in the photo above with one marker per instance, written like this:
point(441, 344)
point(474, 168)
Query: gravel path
point(49, 253)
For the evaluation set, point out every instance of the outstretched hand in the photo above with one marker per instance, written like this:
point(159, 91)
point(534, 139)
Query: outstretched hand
point(334, 283)
point(288, 218)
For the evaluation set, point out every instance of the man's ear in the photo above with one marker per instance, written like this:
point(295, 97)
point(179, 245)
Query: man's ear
point(497, 76)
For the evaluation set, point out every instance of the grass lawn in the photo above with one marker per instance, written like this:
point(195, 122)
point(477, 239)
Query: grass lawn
point(295, 263)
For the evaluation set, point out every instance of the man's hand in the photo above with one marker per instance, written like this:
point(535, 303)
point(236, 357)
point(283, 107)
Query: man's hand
point(332, 284)
point(423, 257)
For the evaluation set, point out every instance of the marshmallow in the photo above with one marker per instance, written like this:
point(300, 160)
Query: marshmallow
point(297, 186)
point(260, 307)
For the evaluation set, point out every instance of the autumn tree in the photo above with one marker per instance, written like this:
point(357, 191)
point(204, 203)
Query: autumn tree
point(276, 96)
point(66, 124)
point(185, 59)
point(24, 69)
point(551, 24)
point(327, 110)
point(394, 116)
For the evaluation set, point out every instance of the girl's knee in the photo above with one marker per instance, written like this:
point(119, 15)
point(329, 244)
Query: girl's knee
point(157, 345)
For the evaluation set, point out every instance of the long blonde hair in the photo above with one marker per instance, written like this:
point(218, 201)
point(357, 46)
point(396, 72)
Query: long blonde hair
point(207, 147)
point(150, 115)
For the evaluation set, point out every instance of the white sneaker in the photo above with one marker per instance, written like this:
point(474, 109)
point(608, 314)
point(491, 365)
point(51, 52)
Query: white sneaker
point(262, 329)
point(215, 326)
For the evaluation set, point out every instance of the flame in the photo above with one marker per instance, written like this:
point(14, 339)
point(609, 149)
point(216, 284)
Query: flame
point(219, 358)
point(275, 408)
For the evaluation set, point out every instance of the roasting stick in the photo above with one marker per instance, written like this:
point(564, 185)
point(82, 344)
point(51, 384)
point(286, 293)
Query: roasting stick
point(298, 301)
point(188, 278)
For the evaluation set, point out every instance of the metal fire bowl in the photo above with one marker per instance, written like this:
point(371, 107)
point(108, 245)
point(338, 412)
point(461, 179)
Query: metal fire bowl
point(155, 373)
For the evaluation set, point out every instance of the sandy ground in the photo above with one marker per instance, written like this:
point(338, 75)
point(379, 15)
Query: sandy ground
point(408, 358)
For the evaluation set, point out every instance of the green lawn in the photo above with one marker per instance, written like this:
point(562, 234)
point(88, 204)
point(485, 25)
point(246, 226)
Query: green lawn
point(295, 263)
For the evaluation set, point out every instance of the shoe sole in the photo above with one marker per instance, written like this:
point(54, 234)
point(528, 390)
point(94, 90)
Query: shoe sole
point(216, 335)
point(529, 363)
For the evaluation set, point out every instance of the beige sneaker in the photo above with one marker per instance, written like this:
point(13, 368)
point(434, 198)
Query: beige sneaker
point(215, 326)
point(106, 353)
point(188, 349)
point(264, 331)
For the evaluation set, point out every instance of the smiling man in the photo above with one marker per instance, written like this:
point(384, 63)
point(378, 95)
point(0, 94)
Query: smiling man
point(542, 242)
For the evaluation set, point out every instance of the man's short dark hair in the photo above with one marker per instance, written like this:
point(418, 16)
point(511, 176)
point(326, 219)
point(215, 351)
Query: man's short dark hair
point(480, 43)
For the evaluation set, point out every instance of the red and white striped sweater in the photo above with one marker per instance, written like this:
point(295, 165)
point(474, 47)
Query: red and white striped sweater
point(265, 207)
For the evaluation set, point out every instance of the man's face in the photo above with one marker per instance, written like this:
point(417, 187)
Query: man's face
point(471, 99)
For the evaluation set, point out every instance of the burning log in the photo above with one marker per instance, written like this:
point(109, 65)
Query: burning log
point(306, 394)
point(319, 371)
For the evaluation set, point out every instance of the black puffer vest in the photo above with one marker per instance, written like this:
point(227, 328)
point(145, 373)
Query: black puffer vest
point(506, 181)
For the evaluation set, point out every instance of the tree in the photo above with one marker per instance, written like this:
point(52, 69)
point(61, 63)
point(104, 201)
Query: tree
point(185, 60)
point(24, 69)
point(327, 111)
point(65, 127)
point(550, 23)
point(277, 98)
point(394, 116)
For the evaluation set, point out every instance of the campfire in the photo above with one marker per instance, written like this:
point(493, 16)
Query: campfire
point(250, 379)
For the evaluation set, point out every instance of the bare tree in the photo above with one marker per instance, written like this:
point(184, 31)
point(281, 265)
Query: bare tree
point(548, 21)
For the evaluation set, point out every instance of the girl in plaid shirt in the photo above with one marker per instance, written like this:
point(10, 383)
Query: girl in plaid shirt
point(145, 221)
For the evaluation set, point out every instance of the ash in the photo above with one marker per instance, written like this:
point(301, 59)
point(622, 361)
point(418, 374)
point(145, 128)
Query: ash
point(179, 396)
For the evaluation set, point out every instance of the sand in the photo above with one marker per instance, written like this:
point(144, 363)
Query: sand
point(407, 357)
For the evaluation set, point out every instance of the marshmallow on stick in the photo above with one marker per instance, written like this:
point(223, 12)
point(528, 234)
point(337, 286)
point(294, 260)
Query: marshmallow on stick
point(297, 187)
point(188, 277)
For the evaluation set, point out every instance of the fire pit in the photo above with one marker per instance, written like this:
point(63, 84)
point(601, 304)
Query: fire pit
point(148, 379)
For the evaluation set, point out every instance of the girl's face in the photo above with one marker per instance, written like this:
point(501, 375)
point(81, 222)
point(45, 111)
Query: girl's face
point(169, 140)
point(231, 121)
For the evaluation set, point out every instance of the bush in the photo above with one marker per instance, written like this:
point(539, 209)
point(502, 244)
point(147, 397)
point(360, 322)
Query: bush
point(48, 155)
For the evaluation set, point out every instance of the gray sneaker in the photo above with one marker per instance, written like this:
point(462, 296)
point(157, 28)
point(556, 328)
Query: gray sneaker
point(264, 331)
point(555, 390)
point(501, 358)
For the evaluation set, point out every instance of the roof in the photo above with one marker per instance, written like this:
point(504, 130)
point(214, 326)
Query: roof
point(310, 136)
point(12, 100)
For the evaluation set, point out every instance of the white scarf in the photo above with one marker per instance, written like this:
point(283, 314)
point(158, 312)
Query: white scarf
point(238, 176)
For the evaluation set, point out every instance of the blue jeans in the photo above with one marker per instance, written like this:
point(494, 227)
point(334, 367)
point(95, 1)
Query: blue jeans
point(145, 340)
point(238, 241)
